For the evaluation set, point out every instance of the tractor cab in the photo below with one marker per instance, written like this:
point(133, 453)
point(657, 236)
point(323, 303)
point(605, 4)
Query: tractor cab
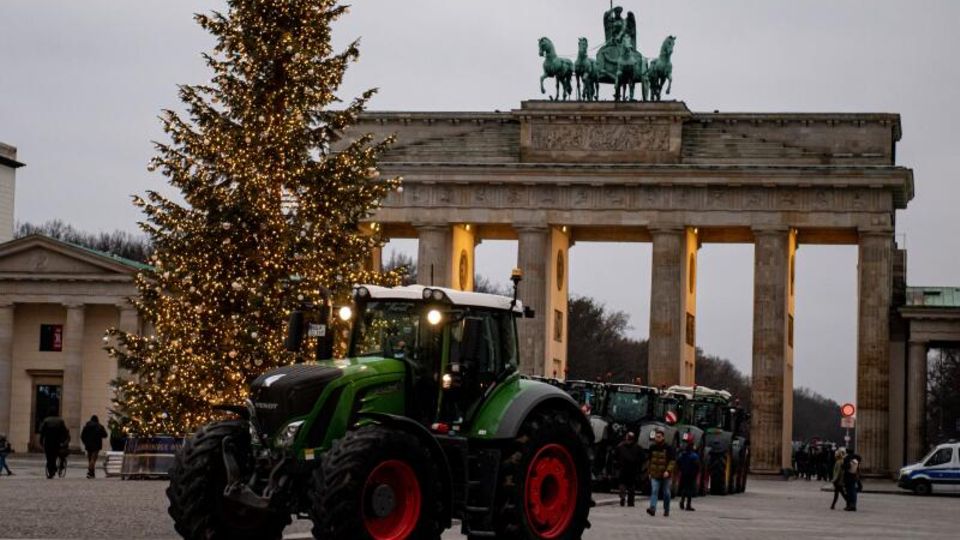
point(455, 346)
point(589, 395)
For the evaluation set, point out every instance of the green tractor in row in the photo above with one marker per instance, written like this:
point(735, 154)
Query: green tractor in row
point(427, 420)
point(716, 425)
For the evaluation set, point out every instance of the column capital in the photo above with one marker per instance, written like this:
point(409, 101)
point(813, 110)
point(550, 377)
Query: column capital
point(665, 228)
point(874, 232)
point(531, 228)
point(431, 226)
point(74, 305)
point(760, 230)
point(917, 342)
point(4, 305)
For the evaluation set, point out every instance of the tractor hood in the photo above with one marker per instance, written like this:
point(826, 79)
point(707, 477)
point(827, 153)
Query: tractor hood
point(285, 393)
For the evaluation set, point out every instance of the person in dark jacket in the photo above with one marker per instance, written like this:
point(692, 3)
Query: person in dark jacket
point(629, 459)
point(851, 479)
point(837, 478)
point(92, 438)
point(54, 436)
point(688, 465)
point(4, 452)
point(662, 463)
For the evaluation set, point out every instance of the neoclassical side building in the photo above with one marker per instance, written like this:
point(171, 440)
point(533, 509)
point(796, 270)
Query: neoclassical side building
point(56, 302)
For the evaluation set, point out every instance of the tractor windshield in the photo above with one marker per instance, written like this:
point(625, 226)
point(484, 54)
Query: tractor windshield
point(628, 407)
point(707, 415)
point(388, 329)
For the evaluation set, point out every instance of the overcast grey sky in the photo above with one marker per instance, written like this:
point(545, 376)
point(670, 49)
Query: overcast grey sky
point(81, 85)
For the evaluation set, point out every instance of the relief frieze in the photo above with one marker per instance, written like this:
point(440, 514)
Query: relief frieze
point(600, 137)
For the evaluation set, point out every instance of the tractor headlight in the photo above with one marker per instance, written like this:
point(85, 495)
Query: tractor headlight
point(434, 317)
point(289, 434)
point(345, 313)
point(362, 293)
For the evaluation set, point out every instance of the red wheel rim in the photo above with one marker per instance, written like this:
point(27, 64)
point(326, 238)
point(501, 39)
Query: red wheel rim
point(399, 479)
point(550, 494)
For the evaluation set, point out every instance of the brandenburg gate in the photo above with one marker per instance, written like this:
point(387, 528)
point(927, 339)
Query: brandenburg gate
point(550, 174)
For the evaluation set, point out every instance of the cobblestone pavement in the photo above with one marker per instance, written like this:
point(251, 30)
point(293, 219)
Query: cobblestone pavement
point(74, 507)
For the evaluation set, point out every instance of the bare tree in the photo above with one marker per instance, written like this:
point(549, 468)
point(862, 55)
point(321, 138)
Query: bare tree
point(123, 244)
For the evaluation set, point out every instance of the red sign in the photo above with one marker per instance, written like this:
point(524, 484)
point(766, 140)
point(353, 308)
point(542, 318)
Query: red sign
point(848, 410)
point(671, 417)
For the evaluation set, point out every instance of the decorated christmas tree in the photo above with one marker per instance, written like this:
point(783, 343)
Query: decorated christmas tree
point(271, 204)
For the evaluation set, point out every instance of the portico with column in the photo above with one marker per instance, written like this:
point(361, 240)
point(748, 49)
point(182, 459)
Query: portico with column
point(659, 173)
point(57, 301)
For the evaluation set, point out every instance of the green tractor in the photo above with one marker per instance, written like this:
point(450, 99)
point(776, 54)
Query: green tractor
point(717, 427)
point(426, 421)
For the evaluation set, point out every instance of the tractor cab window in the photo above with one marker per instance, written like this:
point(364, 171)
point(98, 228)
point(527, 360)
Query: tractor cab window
point(666, 405)
point(388, 329)
point(628, 407)
point(706, 415)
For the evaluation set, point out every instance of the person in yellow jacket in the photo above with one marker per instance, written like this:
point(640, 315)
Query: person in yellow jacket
point(662, 462)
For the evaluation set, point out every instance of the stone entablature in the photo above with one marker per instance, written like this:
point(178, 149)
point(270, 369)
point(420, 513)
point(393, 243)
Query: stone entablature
point(801, 139)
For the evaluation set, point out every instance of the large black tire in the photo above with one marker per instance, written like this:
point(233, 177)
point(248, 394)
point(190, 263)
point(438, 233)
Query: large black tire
point(197, 480)
point(352, 472)
point(719, 473)
point(545, 473)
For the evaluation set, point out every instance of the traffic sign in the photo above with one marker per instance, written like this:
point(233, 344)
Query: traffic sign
point(848, 410)
point(671, 417)
point(848, 422)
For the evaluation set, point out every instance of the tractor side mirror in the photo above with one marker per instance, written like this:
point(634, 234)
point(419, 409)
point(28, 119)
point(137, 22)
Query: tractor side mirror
point(295, 328)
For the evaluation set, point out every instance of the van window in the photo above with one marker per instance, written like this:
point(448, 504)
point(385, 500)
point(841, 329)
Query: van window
point(940, 457)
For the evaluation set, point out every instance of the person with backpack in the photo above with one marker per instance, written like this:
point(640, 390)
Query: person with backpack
point(92, 438)
point(851, 479)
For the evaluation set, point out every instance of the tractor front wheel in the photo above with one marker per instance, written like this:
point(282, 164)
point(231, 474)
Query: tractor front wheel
point(377, 483)
point(544, 492)
point(197, 480)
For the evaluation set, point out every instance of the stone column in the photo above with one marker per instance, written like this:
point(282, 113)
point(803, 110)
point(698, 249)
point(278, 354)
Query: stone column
point(532, 256)
point(873, 342)
point(772, 395)
point(672, 346)
point(463, 241)
point(129, 322)
point(433, 255)
point(556, 305)
point(73, 370)
point(375, 262)
point(916, 400)
point(6, 365)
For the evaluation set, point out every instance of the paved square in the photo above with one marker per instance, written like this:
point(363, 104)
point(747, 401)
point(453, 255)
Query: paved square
point(74, 507)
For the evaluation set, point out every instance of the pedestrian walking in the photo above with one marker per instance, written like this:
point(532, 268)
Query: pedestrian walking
point(661, 466)
point(629, 459)
point(837, 478)
point(92, 438)
point(4, 452)
point(851, 479)
point(54, 436)
point(688, 465)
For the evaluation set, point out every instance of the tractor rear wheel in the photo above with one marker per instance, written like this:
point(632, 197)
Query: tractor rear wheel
point(544, 491)
point(197, 480)
point(377, 483)
point(719, 473)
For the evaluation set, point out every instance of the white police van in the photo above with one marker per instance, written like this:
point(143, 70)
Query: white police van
point(939, 471)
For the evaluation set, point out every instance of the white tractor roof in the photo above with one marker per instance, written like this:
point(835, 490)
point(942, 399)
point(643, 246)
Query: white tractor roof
point(701, 391)
point(459, 298)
